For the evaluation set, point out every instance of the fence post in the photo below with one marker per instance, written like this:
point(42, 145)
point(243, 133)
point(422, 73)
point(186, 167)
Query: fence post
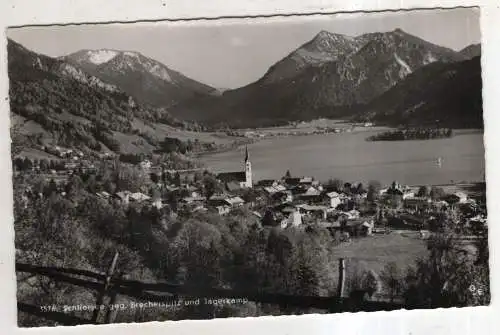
point(341, 284)
point(111, 313)
point(104, 292)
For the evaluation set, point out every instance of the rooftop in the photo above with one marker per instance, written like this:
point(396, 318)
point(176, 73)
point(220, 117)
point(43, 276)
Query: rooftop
point(231, 176)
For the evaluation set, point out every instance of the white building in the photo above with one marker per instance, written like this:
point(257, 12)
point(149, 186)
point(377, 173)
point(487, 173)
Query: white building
point(334, 199)
point(145, 164)
point(462, 197)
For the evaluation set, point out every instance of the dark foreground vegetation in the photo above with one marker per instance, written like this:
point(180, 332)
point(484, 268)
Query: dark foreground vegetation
point(76, 229)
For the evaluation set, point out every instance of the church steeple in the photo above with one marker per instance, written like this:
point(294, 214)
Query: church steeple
point(248, 169)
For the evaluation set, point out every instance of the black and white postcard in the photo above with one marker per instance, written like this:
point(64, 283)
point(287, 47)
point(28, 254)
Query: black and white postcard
point(245, 168)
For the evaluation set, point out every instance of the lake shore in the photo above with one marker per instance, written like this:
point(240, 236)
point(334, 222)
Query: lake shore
point(315, 127)
point(347, 156)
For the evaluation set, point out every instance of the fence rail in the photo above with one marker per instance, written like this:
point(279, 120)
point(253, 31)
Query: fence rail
point(109, 286)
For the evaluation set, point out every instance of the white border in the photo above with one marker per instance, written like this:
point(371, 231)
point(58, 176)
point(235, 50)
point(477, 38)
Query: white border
point(452, 321)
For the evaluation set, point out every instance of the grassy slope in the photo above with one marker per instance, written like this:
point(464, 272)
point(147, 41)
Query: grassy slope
point(54, 107)
point(375, 252)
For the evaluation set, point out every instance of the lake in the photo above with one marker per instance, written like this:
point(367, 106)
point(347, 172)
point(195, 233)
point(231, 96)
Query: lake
point(348, 156)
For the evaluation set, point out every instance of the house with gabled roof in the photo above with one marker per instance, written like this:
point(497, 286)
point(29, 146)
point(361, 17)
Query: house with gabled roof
point(274, 189)
point(267, 183)
point(284, 196)
point(234, 202)
point(193, 200)
point(223, 209)
point(306, 180)
point(123, 197)
point(311, 195)
point(139, 197)
point(315, 210)
point(292, 181)
point(333, 199)
point(293, 219)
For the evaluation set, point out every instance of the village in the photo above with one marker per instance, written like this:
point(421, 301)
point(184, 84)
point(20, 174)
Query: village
point(300, 129)
point(348, 209)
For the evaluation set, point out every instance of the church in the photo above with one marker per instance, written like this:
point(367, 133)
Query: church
point(242, 179)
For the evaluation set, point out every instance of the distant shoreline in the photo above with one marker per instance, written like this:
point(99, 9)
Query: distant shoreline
point(274, 133)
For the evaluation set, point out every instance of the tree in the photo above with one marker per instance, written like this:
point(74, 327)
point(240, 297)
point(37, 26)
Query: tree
point(449, 277)
point(308, 281)
point(423, 191)
point(27, 163)
point(39, 185)
point(177, 179)
point(189, 145)
point(370, 282)
point(209, 186)
point(74, 186)
point(436, 193)
point(375, 185)
point(452, 200)
point(198, 177)
point(51, 188)
point(109, 186)
point(52, 165)
point(250, 195)
point(288, 174)
point(268, 219)
point(155, 193)
point(19, 164)
point(154, 178)
point(18, 140)
point(360, 189)
point(394, 185)
point(391, 277)
point(92, 185)
point(130, 178)
point(373, 191)
point(336, 184)
point(44, 164)
point(199, 252)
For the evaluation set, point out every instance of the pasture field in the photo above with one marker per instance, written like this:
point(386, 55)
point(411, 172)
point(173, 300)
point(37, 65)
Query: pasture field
point(374, 252)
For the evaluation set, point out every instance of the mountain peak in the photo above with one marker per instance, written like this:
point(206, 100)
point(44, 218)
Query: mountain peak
point(142, 77)
point(403, 34)
point(328, 43)
point(324, 34)
point(100, 56)
point(324, 47)
point(329, 36)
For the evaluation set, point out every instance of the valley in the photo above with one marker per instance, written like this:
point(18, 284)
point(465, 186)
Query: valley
point(350, 172)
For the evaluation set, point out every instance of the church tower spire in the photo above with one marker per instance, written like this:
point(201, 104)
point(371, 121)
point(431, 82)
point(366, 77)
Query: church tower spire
point(248, 169)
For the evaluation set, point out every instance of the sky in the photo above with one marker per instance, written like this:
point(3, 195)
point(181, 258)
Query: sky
point(231, 53)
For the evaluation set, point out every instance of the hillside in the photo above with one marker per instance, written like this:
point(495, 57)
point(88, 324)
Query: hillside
point(323, 78)
point(471, 51)
point(146, 79)
point(448, 93)
point(56, 103)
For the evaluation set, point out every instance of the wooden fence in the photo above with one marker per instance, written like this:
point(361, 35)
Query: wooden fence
point(110, 286)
